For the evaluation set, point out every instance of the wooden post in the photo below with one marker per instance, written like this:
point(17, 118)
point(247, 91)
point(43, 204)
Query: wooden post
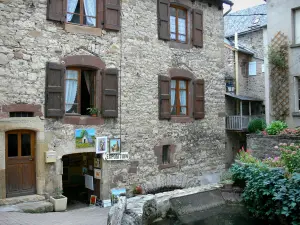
point(241, 114)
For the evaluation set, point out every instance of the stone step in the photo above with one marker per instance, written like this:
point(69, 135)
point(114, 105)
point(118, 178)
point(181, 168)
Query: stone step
point(29, 207)
point(21, 199)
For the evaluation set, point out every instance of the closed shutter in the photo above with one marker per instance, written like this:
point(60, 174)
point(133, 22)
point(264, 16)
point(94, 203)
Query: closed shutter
point(56, 10)
point(199, 100)
point(163, 12)
point(112, 15)
point(110, 93)
point(197, 28)
point(100, 14)
point(98, 89)
point(54, 93)
point(164, 97)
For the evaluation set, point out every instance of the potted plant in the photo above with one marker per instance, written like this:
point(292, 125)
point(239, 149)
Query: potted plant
point(226, 180)
point(58, 200)
point(137, 190)
point(93, 111)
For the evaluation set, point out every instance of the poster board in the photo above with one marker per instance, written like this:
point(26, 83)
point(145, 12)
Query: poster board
point(101, 145)
point(97, 174)
point(89, 182)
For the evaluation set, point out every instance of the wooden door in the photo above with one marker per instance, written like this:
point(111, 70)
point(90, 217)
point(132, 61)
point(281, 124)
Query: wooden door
point(20, 163)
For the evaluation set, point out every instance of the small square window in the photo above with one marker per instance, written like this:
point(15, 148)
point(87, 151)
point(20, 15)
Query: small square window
point(296, 13)
point(166, 154)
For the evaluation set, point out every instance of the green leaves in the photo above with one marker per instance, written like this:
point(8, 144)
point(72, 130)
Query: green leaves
point(276, 127)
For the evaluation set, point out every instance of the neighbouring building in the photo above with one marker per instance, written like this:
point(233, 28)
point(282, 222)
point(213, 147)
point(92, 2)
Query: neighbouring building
point(283, 81)
point(152, 69)
point(244, 56)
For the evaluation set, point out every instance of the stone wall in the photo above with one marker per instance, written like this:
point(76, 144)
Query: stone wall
point(28, 41)
point(263, 146)
point(229, 63)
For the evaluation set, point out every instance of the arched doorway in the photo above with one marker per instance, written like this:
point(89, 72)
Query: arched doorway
point(20, 163)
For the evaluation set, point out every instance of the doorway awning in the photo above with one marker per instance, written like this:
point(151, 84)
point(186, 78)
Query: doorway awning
point(244, 98)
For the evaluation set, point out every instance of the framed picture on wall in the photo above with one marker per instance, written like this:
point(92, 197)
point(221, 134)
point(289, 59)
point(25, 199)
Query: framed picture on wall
point(101, 145)
point(115, 146)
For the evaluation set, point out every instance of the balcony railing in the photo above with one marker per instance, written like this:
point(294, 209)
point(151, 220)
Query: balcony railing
point(239, 123)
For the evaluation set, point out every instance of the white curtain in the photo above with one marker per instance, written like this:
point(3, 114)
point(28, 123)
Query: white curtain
point(182, 29)
point(71, 8)
point(71, 88)
point(182, 96)
point(173, 27)
point(173, 92)
point(90, 10)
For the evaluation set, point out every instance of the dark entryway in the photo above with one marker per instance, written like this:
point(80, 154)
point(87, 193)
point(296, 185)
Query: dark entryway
point(20, 163)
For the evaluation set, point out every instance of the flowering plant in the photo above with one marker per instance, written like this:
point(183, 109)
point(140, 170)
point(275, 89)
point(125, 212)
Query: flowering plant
point(290, 155)
point(246, 157)
point(137, 190)
point(274, 162)
point(289, 131)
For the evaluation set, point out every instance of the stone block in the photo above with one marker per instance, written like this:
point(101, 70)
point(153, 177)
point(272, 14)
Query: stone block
point(3, 59)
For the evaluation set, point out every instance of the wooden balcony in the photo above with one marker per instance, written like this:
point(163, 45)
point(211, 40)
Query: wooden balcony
point(239, 123)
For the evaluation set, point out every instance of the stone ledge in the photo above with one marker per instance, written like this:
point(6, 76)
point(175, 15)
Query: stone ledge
point(21, 199)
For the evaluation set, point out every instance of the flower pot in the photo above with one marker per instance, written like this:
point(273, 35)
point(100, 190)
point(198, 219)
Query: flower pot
point(59, 203)
point(94, 115)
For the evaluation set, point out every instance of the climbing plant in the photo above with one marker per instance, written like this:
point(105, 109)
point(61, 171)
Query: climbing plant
point(279, 76)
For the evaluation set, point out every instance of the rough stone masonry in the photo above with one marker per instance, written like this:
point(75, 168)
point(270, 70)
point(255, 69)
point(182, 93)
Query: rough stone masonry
point(28, 41)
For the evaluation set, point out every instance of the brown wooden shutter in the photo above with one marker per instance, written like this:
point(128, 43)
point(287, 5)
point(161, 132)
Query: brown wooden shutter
point(163, 13)
point(98, 89)
point(197, 28)
point(110, 93)
point(164, 97)
point(100, 13)
point(56, 10)
point(199, 100)
point(55, 86)
point(112, 15)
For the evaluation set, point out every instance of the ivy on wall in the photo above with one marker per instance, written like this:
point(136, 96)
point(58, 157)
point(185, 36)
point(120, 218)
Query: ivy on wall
point(279, 76)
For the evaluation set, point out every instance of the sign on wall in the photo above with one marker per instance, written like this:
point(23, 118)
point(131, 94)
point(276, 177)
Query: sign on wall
point(121, 156)
point(115, 145)
point(97, 174)
point(85, 138)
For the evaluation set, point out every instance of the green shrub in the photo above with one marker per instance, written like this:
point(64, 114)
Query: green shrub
point(276, 127)
point(290, 155)
point(257, 125)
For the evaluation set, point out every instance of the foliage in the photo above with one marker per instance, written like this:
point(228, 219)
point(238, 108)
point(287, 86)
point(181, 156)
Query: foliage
point(290, 155)
point(256, 125)
point(270, 194)
point(93, 111)
point(246, 156)
point(274, 162)
point(277, 56)
point(226, 176)
point(58, 193)
point(289, 131)
point(137, 190)
point(276, 127)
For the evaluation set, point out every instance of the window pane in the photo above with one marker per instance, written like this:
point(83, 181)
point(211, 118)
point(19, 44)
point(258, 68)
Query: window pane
point(182, 95)
point(182, 84)
point(173, 83)
point(173, 107)
point(25, 145)
point(71, 91)
point(297, 26)
point(165, 154)
point(173, 27)
point(90, 12)
point(183, 111)
point(182, 29)
point(181, 13)
point(73, 7)
point(173, 11)
point(12, 140)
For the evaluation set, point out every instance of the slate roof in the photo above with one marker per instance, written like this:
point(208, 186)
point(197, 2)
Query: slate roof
point(241, 24)
point(244, 98)
point(242, 48)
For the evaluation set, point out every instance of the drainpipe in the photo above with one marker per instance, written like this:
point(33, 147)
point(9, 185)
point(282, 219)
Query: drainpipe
point(236, 64)
point(228, 3)
point(229, 10)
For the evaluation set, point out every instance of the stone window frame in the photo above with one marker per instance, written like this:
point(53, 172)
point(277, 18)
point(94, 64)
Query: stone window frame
point(91, 62)
point(35, 109)
point(158, 151)
point(176, 73)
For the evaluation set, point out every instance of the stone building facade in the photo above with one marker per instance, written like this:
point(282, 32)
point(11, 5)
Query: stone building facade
point(32, 46)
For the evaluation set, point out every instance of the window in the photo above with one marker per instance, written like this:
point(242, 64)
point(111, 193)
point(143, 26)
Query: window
point(82, 12)
point(179, 97)
point(252, 68)
point(21, 114)
point(178, 24)
point(166, 154)
point(79, 90)
point(298, 95)
point(297, 26)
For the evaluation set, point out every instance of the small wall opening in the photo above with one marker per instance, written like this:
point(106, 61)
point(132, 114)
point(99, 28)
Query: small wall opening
point(79, 182)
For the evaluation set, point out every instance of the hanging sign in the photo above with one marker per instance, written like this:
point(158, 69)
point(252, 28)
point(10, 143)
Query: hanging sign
point(120, 156)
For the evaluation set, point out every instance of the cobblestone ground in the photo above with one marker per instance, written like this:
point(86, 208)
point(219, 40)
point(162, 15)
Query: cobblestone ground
point(82, 216)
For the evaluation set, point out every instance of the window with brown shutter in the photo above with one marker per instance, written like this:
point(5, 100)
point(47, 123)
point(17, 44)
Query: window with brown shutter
point(178, 24)
point(110, 93)
point(54, 94)
point(164, 97)
point(199, 100)
point(197, 28)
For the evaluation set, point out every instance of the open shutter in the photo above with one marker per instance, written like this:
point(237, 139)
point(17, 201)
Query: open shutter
point(163, 13)
point(54, 102)
point(112, 15)
point(56, 10)
point(100, 14)
point(199, 101)
point(98, 89)
point(197, 28)
point(110, 93)
point(164, 97)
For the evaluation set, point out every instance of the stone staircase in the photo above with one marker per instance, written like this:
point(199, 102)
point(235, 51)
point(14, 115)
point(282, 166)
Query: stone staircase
point(26, 204)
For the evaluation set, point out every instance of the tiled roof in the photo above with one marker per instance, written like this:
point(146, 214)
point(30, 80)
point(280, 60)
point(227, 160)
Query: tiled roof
point(244, 23)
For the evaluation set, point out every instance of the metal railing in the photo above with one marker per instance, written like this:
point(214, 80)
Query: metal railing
point(239, 122)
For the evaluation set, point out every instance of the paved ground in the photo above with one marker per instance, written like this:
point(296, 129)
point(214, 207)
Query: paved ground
point(83, 216)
